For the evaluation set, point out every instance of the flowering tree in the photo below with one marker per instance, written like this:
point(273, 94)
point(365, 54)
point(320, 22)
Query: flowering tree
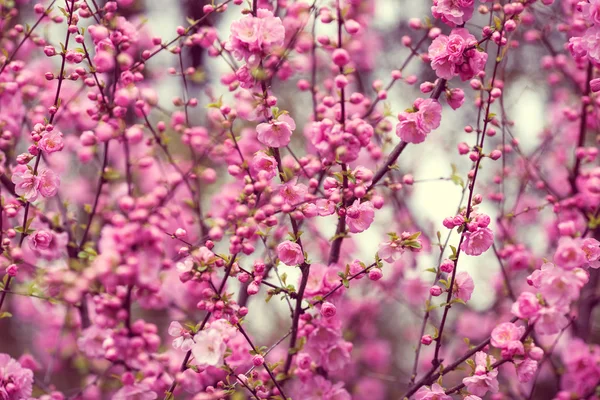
point(234, 208)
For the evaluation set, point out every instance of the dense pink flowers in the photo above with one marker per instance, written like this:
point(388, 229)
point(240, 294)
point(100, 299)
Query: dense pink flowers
point(228, 207)
point(453, 12)
point(456, 55)
point(252, 36)
point(15, 381)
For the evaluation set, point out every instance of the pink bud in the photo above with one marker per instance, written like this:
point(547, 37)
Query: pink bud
point(328, 310)
point(426, 340)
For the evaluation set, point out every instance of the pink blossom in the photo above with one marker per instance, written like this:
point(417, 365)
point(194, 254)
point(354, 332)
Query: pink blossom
point(263, 166)
point(293, 193)
point(209, 348)
point(26, 184)
point(456, 54)
point(276, 133)
point(526, 306)
point(482, 381)
point(290, 253)
point(591, 248)
point(183, 339)
point(390, 251)
point(435, 392)
point(359, 216)
point(254, 36)
point(15, 381)
point(328, 310)
point(551, 320)
point(569, 254)
point(409, 128)
point(138, 391)
point(463, 286)
point(526, 370)
point(507, 336)
point(47, 244)
point(453, 12)
point(476, 243)
point(91, 339)
point(49, 183)
point(430, 114)
point(590, 43)
point(591, 11)
point(51, 142)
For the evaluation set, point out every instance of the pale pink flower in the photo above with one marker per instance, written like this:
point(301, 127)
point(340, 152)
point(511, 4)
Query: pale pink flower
point(482, 381)
point(91, 339)
point(359, 216)
point(138, 391)
point(49, 183)
point(209, 348)
point(591, 248)
point(463, 286)
point(183, 338)
point(476, 243)
point(26, 184)
point(276, 133)
point(290, 253)
point(526, 370)
point(551, 320)
point(390, 251)
point(590, 43)
point(435, 392)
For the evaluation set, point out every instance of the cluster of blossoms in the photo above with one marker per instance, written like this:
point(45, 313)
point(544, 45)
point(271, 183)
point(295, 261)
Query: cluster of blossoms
point(262, 233)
